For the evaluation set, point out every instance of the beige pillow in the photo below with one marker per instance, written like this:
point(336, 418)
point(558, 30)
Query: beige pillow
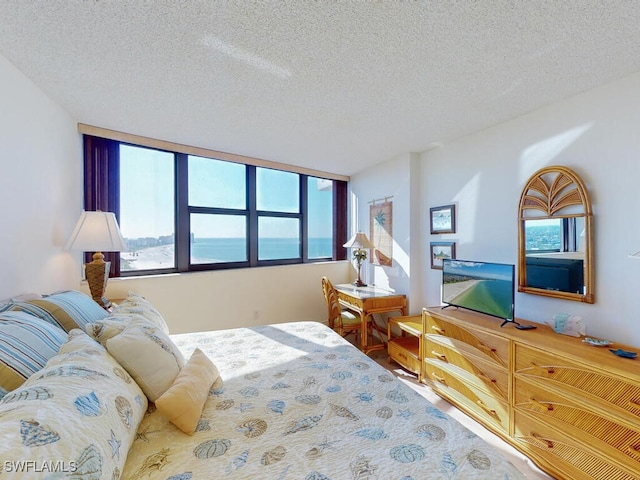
point(148, 355)
point(182, 404)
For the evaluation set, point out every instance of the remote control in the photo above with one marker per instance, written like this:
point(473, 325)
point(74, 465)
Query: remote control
point(525, 327)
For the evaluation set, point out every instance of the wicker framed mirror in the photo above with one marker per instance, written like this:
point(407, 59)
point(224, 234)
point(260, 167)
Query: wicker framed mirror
point(555, 236)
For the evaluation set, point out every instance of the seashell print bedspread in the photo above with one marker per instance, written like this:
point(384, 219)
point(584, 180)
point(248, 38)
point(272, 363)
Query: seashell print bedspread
point(296, 401)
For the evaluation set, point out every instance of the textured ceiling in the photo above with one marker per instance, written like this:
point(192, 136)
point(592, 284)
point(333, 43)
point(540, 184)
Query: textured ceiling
point(330, 85)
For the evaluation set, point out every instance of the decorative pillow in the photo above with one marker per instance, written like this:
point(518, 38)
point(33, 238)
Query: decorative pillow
point(109, 327)
point(148, 354)
point(80, 414)
point(182, 404)
point(69, 310)
point(26, 344)
point(137, 304)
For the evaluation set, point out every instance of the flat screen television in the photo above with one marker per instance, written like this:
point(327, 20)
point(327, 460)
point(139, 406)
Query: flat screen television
point(479, 286)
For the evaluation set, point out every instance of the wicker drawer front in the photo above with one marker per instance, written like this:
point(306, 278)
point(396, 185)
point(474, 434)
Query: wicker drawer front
point(619, 441)
point(494, 346)
point(494, 376)
point(405, 351)
point(565, 454)
point(465, 388)
point(564, 373)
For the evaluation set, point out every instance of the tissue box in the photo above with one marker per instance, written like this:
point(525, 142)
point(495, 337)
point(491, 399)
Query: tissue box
point(566, 324)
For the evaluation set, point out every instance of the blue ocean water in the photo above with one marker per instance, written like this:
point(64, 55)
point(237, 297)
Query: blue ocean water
point(219, 250)
point(494, 297)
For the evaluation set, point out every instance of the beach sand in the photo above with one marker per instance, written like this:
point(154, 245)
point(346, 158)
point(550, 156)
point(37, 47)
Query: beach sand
point(454, 290)
point(150, 258)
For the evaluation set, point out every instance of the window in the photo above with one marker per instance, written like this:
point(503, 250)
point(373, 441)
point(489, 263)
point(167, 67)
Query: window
point(554, 235)
point(180, 212)
point(147, 219)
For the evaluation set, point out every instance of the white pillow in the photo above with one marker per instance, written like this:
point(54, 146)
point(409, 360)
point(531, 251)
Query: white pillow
point(109, 327)
point(137, 304)
point(148, 354)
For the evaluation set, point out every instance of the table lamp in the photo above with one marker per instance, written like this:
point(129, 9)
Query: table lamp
point(360, 243)
point(97, 232)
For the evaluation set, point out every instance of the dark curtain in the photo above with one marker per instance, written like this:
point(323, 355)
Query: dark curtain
point(101, 174)
point(339, 219)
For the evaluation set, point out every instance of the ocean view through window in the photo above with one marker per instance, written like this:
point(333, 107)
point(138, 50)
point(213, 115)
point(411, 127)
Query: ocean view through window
point(180, 212)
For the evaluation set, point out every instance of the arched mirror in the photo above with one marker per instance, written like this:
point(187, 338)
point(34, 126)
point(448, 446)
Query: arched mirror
point(555, 236)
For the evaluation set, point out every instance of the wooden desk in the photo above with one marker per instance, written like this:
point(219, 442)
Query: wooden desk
point(369, 300)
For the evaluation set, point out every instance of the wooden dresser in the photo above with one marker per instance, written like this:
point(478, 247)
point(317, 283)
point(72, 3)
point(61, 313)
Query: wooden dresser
point(574, 409)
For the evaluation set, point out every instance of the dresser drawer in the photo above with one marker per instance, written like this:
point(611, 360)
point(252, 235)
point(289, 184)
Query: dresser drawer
point(465, 388)
point(495, 347)
point(575, 378)
point(564, 454)
point(405, 351)
point(618, 441)
point(494, 376)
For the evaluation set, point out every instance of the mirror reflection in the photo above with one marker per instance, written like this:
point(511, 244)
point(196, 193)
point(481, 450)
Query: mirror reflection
point(555, 254)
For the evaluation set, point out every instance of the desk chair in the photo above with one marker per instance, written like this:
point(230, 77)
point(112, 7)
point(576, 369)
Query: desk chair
point(342, 321)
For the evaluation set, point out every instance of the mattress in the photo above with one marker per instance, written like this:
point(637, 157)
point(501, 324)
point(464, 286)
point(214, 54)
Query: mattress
point(297, 401)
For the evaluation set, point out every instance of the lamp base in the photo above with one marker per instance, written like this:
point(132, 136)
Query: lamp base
point(97, 273)
point(359, 282)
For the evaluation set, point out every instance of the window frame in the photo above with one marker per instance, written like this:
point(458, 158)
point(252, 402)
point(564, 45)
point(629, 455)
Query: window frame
point(101, 189)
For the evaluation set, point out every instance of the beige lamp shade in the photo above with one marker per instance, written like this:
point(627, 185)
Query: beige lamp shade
point(359, 240)
point(97, 232)
point(360, 244)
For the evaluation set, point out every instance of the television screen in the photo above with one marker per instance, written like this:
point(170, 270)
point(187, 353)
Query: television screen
point(479, 286)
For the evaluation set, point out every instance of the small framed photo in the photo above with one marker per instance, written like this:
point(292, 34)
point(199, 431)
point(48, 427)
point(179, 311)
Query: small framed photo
point(440, 251)
point(443, 219)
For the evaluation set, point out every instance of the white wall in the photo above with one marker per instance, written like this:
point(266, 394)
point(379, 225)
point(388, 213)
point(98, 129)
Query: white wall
point(597, 135)
point(398, 179)
point(40, 188)
point(235, 298)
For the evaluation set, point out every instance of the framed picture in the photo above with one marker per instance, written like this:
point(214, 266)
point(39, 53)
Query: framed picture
point(440, 251)
point(443, 219)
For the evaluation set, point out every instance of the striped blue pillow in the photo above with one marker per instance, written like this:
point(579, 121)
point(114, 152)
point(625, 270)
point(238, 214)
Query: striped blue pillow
point(26, 344)
point(68, 310)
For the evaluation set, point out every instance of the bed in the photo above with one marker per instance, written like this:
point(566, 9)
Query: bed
point(295, 401)
point(86, 395)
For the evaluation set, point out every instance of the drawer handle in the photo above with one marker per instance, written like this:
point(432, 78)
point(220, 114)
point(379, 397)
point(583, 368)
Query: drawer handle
point(487, 409)
point(441, 356)
point(402, 355)
point(634, 451)
point(546, 406)
point(438, 378)
point(482, 346)
point(634, 404)
point(549, 370)
point(486, 377)
point(543, 440)
point(437, 329)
